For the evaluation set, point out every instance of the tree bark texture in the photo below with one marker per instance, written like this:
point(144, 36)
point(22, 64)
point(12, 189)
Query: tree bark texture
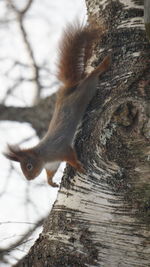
point(103, 218)
point(147, 17)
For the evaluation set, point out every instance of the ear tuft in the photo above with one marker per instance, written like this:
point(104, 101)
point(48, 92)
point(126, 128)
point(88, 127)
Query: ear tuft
point(13, 153)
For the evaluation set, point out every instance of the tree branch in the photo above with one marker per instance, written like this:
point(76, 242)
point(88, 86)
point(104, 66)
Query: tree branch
point(19, 242)
point(33, 115)
point(35, 68)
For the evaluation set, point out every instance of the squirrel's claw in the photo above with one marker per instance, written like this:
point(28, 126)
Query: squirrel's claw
point(50, 175)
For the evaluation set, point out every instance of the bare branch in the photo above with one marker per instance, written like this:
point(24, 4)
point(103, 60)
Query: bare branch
point(35, 68)
point(18, 114)
point(24, 10)
point(10, 90)
point(22, 240)
point(39, 122)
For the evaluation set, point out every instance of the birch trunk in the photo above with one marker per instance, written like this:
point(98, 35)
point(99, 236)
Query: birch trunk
point(102, 218)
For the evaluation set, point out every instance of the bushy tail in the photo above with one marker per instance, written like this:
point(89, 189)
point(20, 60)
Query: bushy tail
point(75, 50)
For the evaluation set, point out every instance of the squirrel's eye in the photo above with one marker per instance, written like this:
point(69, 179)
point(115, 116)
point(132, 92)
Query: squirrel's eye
point(29, 166)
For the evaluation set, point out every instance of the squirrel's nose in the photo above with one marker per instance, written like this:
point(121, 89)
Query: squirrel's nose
point(29, 177)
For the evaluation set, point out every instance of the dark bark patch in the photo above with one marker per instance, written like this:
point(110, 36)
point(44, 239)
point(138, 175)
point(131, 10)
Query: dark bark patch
point(127, 147)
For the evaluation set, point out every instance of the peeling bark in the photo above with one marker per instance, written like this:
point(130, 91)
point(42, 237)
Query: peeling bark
point(102, 218)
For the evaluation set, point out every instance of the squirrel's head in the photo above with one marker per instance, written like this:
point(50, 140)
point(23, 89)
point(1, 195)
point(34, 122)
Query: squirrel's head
point(30, 162)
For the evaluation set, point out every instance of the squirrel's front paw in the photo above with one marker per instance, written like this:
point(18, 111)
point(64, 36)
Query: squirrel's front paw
point(50, 175)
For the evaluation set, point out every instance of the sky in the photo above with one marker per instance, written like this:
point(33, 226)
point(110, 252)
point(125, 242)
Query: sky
point(23, 202)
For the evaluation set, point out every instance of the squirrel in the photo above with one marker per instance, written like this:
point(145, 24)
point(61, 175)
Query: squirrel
point(72, 100)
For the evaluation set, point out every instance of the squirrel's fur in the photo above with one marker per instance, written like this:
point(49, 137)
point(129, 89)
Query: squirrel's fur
point(72, 100)
point(74, 51)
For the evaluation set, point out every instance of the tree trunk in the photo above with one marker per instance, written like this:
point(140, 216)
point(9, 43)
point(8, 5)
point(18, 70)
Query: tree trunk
point(102, 218)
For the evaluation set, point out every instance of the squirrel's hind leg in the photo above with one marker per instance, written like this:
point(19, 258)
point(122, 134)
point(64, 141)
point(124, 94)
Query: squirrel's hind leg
point(72, 159)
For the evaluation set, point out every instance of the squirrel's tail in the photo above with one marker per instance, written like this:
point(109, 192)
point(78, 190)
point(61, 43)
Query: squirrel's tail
point(75, 50)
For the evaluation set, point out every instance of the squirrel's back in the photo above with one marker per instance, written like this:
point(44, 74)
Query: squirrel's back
point(75, 50)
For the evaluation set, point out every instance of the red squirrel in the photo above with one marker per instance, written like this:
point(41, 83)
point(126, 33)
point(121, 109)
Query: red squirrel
point(72, 100)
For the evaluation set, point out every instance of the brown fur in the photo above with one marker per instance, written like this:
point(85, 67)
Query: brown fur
point(72, 100)
point(75, 50)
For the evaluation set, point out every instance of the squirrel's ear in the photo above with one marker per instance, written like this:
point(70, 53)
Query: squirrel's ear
point(13, 153)
point(11, 156)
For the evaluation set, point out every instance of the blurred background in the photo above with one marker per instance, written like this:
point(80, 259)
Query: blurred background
point(29, 36)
